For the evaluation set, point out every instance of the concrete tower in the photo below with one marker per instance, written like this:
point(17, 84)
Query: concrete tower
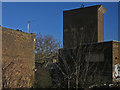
point(83, 25)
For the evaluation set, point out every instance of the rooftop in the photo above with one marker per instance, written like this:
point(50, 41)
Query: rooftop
point(17, 30)
point(89, 7)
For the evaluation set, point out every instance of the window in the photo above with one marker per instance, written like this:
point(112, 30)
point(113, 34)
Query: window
point(95, 57)
point(73, 29)
point(81, 28)
point(65, 30)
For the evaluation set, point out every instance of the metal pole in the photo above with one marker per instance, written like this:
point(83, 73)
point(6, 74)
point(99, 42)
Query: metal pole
point(28, 27)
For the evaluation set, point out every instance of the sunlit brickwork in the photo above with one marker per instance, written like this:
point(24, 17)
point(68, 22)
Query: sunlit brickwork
point(17, 58)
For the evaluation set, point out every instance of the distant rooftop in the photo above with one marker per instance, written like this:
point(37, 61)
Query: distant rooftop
point(81, 8)
point(93, 43)
point(4, 28)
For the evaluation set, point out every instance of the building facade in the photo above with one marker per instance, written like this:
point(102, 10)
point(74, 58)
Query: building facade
point(17, 58)
point(83, 25)
point(83, 43)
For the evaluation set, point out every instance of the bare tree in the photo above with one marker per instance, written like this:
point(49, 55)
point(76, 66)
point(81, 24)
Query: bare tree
point(46, 52)
point(46, 49)
point(76, 65)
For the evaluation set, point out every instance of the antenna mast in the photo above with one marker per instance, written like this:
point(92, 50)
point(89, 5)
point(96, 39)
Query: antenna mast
point(28, 26)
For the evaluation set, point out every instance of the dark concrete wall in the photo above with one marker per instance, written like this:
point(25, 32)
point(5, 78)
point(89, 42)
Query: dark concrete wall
point(17, 58)
point(83, 25)
point(102, 69)
point(100, 27)
point(98, 71)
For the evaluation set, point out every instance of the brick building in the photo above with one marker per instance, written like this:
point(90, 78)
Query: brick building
point(83, 40)
point(17, 58)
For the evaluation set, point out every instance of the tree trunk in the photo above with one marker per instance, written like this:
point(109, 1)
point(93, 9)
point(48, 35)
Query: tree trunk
point(68, 82)
point(77, 77)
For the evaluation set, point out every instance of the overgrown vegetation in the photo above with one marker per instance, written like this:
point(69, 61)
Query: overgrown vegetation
point(67, 68)
point(46, 52)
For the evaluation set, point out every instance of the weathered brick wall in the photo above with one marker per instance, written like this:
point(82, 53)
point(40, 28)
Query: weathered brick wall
point(17, 58)
point(0, 57)
point(116, 59)
point(119, 51)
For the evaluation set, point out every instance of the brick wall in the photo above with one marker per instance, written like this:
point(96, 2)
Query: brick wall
point(116, 58)
point(0, 57)
point(17, 58)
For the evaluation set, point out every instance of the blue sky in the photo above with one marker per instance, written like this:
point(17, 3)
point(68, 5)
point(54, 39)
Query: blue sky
point(47, 17)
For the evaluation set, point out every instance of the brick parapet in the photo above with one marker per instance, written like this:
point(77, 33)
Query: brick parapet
point(17, 58)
